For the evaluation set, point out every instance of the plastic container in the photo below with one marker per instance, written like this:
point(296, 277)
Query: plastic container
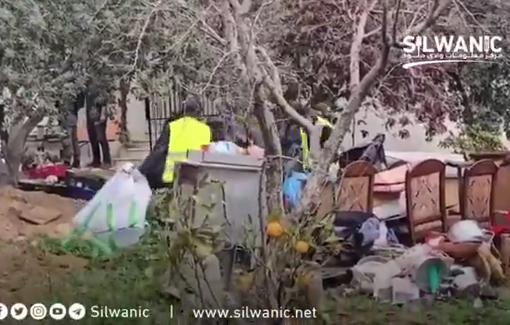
point(429, 272)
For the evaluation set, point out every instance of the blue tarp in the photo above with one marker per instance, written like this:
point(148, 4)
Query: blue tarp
point(292, 187)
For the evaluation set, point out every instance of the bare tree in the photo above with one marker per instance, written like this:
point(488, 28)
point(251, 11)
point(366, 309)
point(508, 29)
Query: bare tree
point(361, 86)
point(242, 29)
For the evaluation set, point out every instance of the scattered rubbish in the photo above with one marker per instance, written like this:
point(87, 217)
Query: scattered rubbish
point(376, 232)
point(467, 279)
point(116, 215)
point(292, 187)
point(224, 147)
point(365, 270)
point(382, 280)
point(465, 231)
point(404, 290)
point(429, 271)
point(478, 303)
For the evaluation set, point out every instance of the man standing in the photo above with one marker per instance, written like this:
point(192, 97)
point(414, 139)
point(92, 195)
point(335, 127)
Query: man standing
point(97, 115)
point(188, 132)
point(69, 122)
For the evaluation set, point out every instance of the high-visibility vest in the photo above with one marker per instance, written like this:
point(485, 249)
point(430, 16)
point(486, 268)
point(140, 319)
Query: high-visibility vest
point(186, 133)
point(305, 148)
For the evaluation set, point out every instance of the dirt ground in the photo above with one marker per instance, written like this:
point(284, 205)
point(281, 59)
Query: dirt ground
point(27, 271)
point(16, 204)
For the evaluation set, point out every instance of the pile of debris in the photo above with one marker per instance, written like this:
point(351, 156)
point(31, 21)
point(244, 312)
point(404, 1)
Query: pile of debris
point(462, 263)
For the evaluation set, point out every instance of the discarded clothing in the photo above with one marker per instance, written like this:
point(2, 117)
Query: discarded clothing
point(292, 188)
point(347, 226)
point(375, 232)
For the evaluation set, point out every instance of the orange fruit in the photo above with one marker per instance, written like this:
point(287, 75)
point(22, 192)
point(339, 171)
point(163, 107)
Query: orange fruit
point(302, 247)
point(274, 229)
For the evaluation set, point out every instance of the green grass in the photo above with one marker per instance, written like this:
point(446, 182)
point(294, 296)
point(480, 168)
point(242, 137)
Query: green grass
point(363, 310)
point(124, 280)
point(127, 280)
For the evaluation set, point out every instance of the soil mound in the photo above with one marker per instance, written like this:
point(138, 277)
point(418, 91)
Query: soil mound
point(29, 273)
point(25, 214)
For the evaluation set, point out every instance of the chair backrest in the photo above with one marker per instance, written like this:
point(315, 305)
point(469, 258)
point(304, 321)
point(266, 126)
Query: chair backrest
point(355, 190)
point(478, 199)
point(425, 198)
point(502, 189)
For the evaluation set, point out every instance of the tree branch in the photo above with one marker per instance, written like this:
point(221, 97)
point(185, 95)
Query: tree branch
point(273, 84)
point(142, 35)
point(438, 6)
point(357, 41)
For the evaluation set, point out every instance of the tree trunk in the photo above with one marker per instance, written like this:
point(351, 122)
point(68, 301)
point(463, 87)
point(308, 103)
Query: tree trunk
point(14, 148)
point(273, 151)
point(124, 92)
point(319, 175)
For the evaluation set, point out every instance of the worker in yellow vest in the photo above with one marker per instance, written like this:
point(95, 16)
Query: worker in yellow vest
point(305, 144)
point(187, 132)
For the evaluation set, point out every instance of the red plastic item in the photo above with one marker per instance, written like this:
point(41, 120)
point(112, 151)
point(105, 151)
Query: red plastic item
point(58, 170)
point(499, 229)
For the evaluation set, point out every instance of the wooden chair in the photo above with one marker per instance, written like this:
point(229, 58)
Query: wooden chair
point(425, 199)
point(356, 187)
point(454, 214)
point(327, 200)
point(502, 191)
point(477, 201)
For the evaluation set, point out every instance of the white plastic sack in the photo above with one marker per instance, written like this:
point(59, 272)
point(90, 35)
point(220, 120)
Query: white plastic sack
point(226, 147)
point(118, 210)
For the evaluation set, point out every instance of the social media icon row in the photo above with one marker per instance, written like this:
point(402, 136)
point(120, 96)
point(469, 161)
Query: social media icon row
point(39, 311)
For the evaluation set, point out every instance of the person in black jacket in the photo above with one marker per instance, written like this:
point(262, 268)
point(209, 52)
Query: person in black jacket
point(97, 116)
point(69, 122)
point(153, 165)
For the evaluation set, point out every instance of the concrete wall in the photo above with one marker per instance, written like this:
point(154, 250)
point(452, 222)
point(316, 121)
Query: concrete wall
point(137, 124)
point(416, 141)
point(374, 121)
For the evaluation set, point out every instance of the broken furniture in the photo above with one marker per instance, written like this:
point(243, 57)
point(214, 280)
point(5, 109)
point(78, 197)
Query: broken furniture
point(372, 152)
point(356, 187)
point(389, 184)
point(477, 201)
point(425, 199)
point(326, 199)
point(505, 253)
point(502, 189)
point(358, 167)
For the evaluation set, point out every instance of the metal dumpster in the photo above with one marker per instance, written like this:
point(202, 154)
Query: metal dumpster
point(230, 197)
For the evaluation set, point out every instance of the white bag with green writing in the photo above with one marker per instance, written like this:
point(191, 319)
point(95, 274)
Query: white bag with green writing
point(116, 214)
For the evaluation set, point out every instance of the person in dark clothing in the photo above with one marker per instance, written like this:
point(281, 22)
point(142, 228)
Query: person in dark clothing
point(69, 123)
point(96, 111)
point(154, 164)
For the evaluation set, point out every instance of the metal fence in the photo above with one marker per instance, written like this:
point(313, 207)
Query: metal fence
point(158, 109)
